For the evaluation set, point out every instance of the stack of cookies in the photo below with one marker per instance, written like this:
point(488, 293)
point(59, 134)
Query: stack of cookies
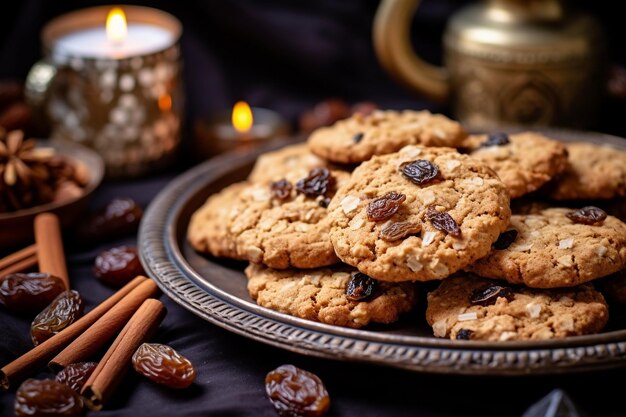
point(343, 229)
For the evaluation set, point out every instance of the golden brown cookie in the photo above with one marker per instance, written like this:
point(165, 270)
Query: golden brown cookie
point(523, 161)
point(281, 224)
point(272, 166)
point(360, 137)
point(328, 295)
point(419, 214)
point(471, 308)
point(208, 229)
point(547, 249)
point(592, 172)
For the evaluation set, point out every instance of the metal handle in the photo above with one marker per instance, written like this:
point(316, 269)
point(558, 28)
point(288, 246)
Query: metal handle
point(392, 44)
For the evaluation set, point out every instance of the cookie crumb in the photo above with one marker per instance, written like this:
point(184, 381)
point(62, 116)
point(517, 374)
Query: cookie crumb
point(350, 203)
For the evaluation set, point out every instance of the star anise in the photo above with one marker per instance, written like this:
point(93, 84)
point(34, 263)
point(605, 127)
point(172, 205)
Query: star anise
point(29, 175)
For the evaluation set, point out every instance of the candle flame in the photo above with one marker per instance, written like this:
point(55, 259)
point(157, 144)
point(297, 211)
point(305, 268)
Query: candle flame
point(165, 102)
point(242, 117)
point(116, 25)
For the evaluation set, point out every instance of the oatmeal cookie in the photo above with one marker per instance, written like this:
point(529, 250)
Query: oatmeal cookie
point(340, 296)
point(472, 308)
point(592, 172)
point(553, 248)
point(419, 214)
point(360, 137)
point(523, 161)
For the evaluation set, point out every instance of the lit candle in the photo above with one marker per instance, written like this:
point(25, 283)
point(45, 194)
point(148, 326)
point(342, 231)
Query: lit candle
point(115, 39)
point(239, 130)
point(122, 87)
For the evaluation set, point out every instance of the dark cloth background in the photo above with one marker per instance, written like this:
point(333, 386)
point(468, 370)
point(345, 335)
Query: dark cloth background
point(286, 55)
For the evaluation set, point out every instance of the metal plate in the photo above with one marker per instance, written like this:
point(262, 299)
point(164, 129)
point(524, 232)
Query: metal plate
point(215, 289)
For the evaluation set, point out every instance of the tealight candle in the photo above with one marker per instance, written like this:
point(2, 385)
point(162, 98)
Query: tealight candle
point(116, 39)
point(239, 130)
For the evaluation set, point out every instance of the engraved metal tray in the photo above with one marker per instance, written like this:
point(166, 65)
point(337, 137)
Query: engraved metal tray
point(215, 290)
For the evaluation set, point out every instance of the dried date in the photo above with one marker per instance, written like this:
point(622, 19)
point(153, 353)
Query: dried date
point(64, 310)
point(490, 294)
point(360, 287)
point(420, 171)
point(46, 397)
point(30, 292)
point(589, 215)
point(281, 190)
point(118, 266)
point(443, 221)
point(296, 392)
point(396, 231)
point(75, 375)
point(119, 218)
point(496, 139)
point(382, 208)
point(163, 365)
point(317, 183)
point(505, 239)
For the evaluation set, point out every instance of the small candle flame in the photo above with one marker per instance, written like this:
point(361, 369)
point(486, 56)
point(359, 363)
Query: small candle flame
point(242, 117)
point(116, 25)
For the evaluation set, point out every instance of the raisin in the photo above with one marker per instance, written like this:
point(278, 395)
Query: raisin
point(420, 171)
point(118, 266)
point(464, 334)
point(281, 189)
point(587, 215)
point(296, 392)
point(46, 397)
point(324, 202)
point(163, 365)
point(75, 375)
point(317, 183)
point(119, 218)
point(505, 239)
point(443, 222)
point(496, 139)
point(62, 311)
point(382, 208)
point(360, 287)
point(488, 295)
point(400, 230)
point(358, 137)
point(30, 292)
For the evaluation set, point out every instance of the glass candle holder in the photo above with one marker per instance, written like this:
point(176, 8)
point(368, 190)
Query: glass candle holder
point(118, 91)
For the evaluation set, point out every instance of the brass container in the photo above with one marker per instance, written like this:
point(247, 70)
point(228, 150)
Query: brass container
point(506, 62)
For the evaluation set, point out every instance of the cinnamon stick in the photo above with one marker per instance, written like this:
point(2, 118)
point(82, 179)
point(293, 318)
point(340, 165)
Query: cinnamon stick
point(18, 256)
point(37, 357)
point(50, 246)
point(107, 375)
point(19, 266)
point(103, 330)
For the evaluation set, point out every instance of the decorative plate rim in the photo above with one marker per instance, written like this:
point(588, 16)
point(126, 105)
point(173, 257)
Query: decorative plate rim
point(164, 262)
